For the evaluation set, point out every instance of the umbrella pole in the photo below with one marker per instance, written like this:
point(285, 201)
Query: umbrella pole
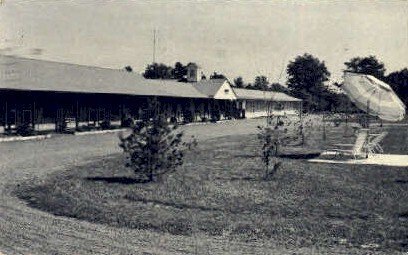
point(368, 114)
point(368, 126)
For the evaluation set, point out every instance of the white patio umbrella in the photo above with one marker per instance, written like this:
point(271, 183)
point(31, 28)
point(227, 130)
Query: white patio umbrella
point(373, 96)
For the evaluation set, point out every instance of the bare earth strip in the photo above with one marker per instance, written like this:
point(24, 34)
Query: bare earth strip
point(24, 230)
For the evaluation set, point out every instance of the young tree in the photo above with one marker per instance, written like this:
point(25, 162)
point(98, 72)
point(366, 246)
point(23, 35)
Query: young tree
point(269, 146)
point(275, 135)
point(306, 77)
point(366, 65)
point(154, 147)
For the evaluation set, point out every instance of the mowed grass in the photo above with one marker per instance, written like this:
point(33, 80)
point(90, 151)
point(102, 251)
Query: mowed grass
point(219, 191)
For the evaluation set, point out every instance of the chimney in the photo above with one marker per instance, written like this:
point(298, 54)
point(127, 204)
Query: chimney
point(193, 72)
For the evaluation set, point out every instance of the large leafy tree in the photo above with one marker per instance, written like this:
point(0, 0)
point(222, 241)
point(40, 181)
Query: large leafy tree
point(179, 71)
point(399, 83)
point(306, 77)
point(216, 75)
point(277, 87)
point(162, 71)
point(239, 82)
point(261, 83)
point(158, 71)
point(366, 65)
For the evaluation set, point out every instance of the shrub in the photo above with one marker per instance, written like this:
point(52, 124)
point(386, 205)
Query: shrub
point(106, 124)
point(154, 147)
point(25, 130)
point(127, 122)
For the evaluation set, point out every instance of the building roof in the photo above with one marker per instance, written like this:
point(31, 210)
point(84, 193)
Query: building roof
point(264, 95)
point(20, 73)
point(41, 75)
point(209, 87)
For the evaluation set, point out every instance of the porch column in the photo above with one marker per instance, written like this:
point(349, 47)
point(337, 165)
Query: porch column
point(192, 110)
point(6, 125)
point(33, 116)
point(77, 115)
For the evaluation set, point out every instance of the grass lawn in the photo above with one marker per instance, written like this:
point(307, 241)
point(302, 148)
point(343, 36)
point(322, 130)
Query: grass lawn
point(219, 191)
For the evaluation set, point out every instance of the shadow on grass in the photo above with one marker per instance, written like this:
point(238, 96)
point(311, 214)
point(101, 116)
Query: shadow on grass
point(400, 181)
point(171, 204)
point(120, 180)
point(288, 155)
point(255, 179)
point(300, 155)
point(246, 156)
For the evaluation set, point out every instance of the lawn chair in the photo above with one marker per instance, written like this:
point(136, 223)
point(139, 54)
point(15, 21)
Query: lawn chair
point(374, 146)
point(357, 149)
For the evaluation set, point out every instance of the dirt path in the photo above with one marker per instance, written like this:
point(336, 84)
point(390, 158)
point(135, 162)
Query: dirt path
point(24, 230)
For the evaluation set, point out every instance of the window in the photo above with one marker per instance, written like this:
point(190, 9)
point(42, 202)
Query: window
point(226, 91)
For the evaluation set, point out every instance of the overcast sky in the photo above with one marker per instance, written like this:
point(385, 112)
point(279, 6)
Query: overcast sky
point(235, 38)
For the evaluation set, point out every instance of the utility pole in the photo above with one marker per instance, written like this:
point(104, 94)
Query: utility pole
point(154, 46)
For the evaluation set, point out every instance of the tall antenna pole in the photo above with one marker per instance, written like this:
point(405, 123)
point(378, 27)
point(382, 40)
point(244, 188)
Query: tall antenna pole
point(154, 46)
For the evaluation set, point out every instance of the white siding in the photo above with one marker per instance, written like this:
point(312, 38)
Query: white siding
point(225, 92)
point(259, 108)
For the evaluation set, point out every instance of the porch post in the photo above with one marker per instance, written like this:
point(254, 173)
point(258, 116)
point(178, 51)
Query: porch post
point(6, 118)
point(77, 115)
point(33, 116)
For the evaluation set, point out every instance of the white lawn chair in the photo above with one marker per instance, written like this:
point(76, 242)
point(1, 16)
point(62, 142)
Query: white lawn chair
point(374, 146)
point(357, 149)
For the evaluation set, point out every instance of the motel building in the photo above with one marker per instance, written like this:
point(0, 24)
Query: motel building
point(53, 96)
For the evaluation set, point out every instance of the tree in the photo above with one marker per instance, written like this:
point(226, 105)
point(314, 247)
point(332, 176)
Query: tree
point(366, 65)
point(261, 83)
point(158, 71)
point(154, 147)
point(128, 69)
point(238, 82)
point(277, 87)
point(269, 150)
point(399, 83)
point(306, 77)
point(179, 71)
point(216, 75)
point(272, 138)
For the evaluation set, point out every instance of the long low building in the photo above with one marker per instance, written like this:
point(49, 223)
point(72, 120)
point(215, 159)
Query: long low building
point(257, 103)
point(58, 96)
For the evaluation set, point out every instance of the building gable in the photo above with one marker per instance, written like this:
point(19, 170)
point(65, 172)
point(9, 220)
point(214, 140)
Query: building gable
point(225, 92)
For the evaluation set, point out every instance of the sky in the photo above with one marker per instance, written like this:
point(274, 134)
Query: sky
point(237, 38)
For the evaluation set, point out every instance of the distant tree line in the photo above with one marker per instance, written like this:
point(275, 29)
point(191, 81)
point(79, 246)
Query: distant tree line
point(398, 80)
point(307, 79)
point(162, 71)
point(178, 72)
point(260, 83)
